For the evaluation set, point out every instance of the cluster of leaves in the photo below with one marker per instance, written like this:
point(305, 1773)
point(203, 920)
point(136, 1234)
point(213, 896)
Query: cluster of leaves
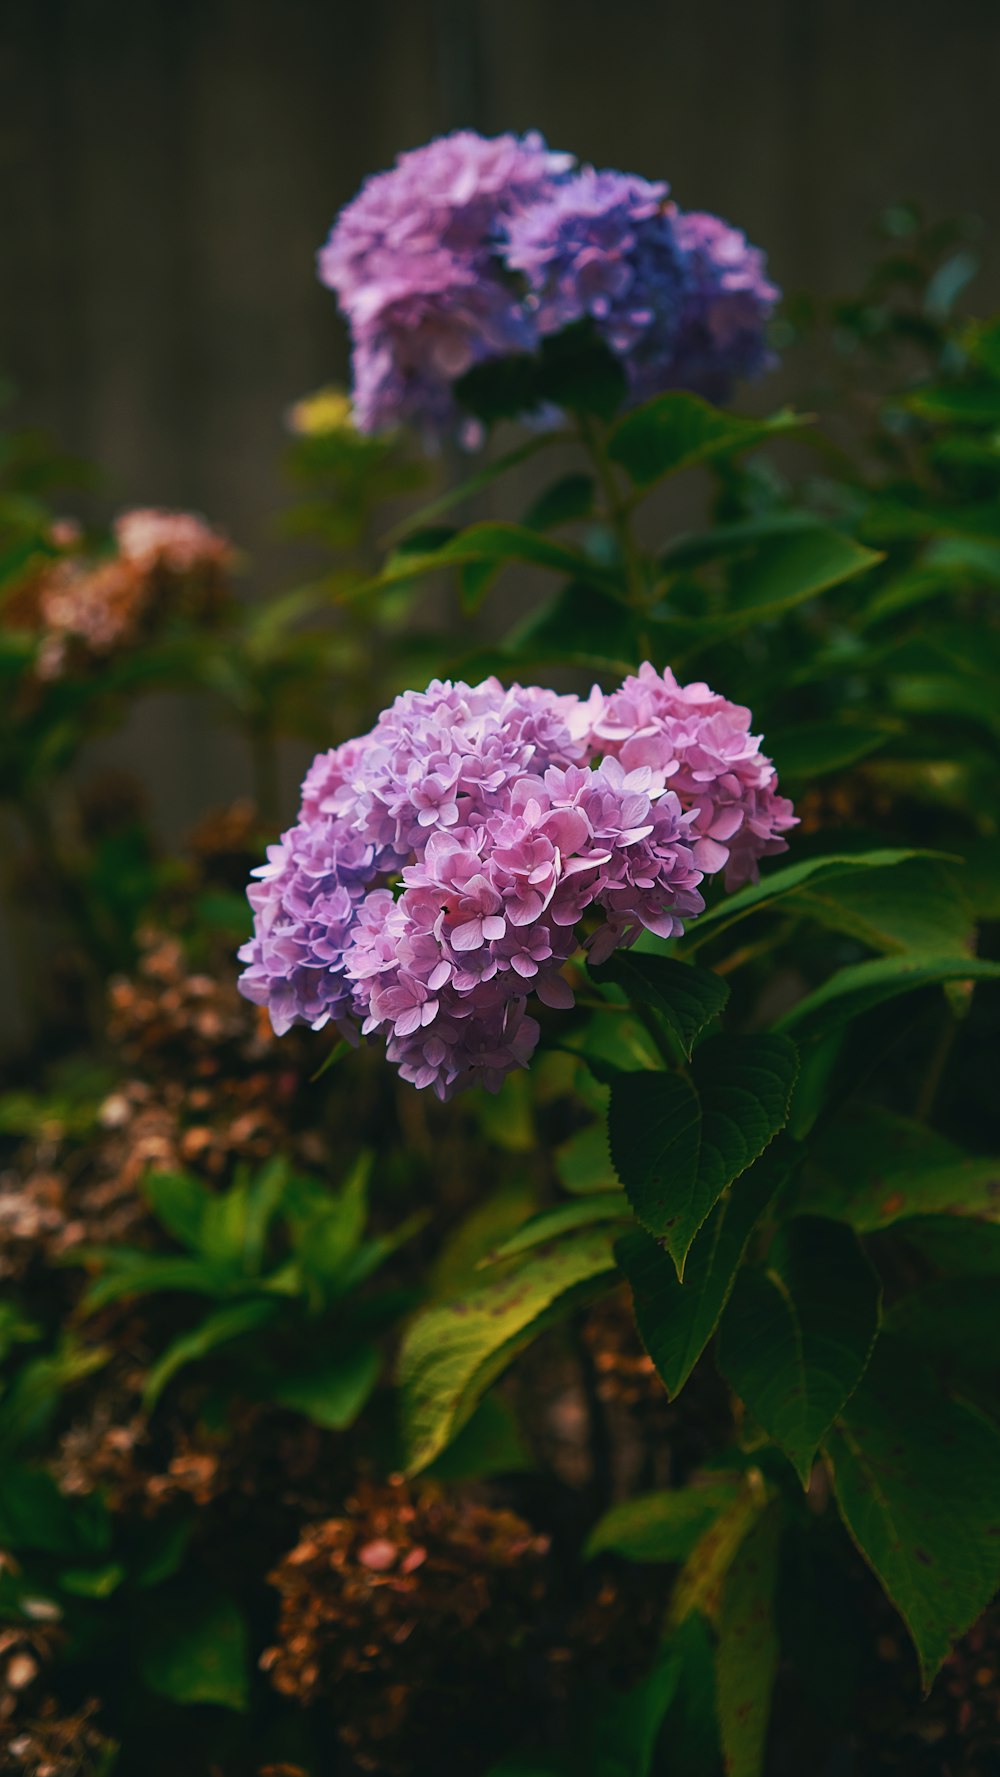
point(772, 1139)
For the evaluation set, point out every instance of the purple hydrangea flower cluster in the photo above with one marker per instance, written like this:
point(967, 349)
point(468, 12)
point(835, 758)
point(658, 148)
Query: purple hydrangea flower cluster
point(722, 337)
point(470, 249)
point(414, 261)
point(445, 867)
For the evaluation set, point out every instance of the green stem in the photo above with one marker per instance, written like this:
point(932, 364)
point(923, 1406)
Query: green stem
point(616, 511)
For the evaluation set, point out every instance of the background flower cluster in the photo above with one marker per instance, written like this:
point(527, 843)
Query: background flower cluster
point(472, 249)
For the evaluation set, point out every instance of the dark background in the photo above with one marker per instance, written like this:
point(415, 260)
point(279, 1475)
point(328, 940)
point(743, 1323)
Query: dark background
point(170, 166)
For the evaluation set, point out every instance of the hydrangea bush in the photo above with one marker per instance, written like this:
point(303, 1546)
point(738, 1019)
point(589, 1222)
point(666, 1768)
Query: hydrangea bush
point(642, 1410)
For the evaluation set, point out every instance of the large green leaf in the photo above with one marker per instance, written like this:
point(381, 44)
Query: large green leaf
point(921, 906)
point(872, 1168)
point(686, 997)
point(787, 570)
point(865, 985)
point(677, 1140)
point(797, 1334)
point(778, 884)
point(917, 1478)
point(746, 1660)
point(663, 1526)
point(194, 1648)
point(676, 430)
point(676, 1320)
point(451, 1354)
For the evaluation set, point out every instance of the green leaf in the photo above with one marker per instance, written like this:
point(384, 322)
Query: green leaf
point(217, 1329)
point(871, 1168)
point(194, 1648)
point(787, 570)
point(921, 906)
point(678, 1140)
point(686, 996)
point(677, 430)
point(676, 1320)
point(564, 1218)
point(332, 1390)
point(568, 499)
point(93, 1582)
point(864, 985)
point(746, 1660)
point(235, 1223)
point(476, 484)
point(581, 626)
point(917, 1479)
point(179, 1203)
point(35, 1395)
point(797, 1334)
point(451, 1354)
point(134, 1272)
point(700, 1583)
point(489, 1443)
point(326, 1226)
point(663, 1526)
point(495, 543)
point(780, 883)
point(815, 749)
point(583, 1164)
point(35, 1515)
point(952, 1321)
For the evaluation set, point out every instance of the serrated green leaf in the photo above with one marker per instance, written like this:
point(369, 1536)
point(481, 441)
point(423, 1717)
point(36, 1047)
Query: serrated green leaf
point(676, 1320)
point(746, 1660)
point(677, 430)
point(797, 1334)
point(917, 1479)
point(686, 997)
point(451, 1354)
point(871, 1168)
point(663, 1526)
point(865, 985)
point(678, 1140)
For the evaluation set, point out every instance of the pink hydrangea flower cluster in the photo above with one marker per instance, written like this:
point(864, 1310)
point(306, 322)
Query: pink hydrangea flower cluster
point(445, 867)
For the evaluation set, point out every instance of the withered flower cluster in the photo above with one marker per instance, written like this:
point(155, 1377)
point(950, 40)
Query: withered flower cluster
point(85, 608)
